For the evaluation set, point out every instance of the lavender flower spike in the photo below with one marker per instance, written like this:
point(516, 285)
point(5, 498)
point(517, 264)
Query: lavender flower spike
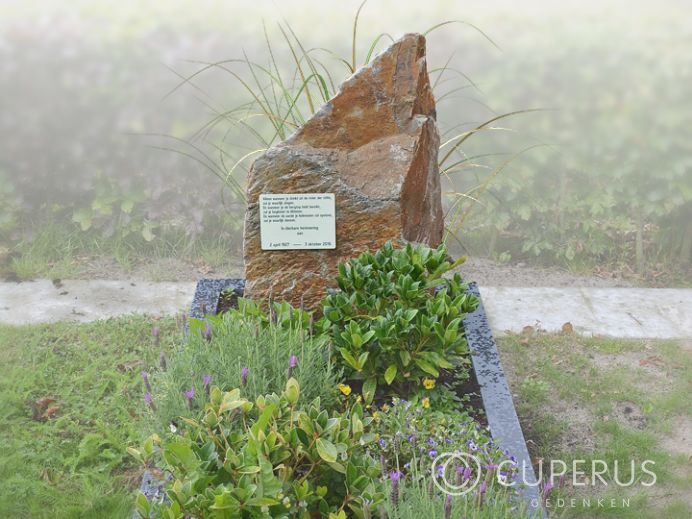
point(149, 400)
point(448, 507)
point(162, 361)
point(205, 382)
point(156, 334)
point(292, 363)
point(394, 477)
point(190, 394)
point(243, 376)
point(145, 377)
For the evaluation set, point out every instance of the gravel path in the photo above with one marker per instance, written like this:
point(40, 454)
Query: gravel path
point(618, 312)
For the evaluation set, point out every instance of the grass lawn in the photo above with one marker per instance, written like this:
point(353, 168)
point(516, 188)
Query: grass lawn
point(599, 398)
point(70, 396)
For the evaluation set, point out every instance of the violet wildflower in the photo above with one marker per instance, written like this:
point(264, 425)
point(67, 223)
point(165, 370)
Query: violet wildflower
point(383, 443)
point(149, 400)
point(432, 453)
point(207, 331)
point(448, 507)
point(394, 477)
point(547, 488)
point(162, 361)
point(190, 394)
point(156, 334)
point(292, 363)
point(145, 377)
point(243, 376)
point(467, 473)
point(561, 481)
point(205, 382)
point(481, 492)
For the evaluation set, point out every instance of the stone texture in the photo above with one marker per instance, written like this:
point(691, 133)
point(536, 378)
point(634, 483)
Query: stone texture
point(375, 146)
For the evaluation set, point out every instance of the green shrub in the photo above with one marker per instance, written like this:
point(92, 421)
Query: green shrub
point(240, 341)
point(271, 458)
point(396, 320)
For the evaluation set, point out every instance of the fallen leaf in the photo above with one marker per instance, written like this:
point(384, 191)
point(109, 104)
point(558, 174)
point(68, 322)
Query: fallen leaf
point(50, 412)
point(653, 360)
point(528, 330)
point(45, 402)
point(567, 327)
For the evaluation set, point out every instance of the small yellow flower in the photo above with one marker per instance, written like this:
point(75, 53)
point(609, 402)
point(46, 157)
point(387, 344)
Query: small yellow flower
point(345, 389)
point(428, 383)
point(425, 402)
point(376, 415)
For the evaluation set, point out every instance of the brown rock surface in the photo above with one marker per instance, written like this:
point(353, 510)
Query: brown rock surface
point(375, 146)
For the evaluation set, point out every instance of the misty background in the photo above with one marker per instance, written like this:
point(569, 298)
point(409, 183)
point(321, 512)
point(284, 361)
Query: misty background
point(121, 148)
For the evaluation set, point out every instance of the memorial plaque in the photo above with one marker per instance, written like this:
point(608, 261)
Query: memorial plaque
point(297, 221)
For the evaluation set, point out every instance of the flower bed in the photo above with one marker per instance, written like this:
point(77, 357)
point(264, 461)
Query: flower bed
point(377, 439)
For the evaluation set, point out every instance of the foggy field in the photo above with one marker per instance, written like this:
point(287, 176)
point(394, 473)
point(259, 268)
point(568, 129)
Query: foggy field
point(107, 160)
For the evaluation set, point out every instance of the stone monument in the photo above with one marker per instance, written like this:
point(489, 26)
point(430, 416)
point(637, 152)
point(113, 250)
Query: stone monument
point(362, 171)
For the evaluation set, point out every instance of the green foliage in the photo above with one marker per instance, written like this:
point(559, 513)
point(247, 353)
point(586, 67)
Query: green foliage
point(69, 406)
point(416, 501)
point(240, 339)
point(271, 457)
point(395, 319)
point(615, 186)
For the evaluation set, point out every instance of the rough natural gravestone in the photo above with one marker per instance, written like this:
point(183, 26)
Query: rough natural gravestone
point(374, 145)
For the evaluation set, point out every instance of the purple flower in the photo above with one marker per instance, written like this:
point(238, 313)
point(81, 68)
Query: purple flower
point(482, 488)
point(547, 488)
point(411, 438)
point(448, 507)
point(145, 377)
point(162, 361)
point(243, 376)
point(440, 470)
point(394, 477)
point(467, 473)
point(149, 401)
point(292, 363)
point(432, 453)
point(155, 333)
point(207, 331)
point(205, 382)
point(190, 394)
point(382, 443)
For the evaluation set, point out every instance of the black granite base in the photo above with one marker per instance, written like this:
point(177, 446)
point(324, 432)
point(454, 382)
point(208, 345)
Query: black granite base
point(499, 407)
